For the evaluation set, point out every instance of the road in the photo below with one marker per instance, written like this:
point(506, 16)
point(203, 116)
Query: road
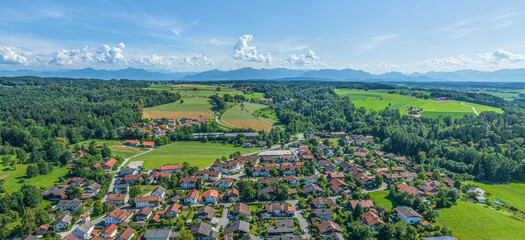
point(473, 108)
point(380, 188)
point(110, 188)
point(217, 119)
point(223, 220)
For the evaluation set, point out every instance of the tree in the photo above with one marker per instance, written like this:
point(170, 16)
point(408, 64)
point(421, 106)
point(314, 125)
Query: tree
point(358, 231)
point(134, 191)
point(32, 171)
point(98, 208)
point(184, 234)
point(386, 232)
point(74, 192)
point(436, 175)
point(32, 196)
point(105, 152)
point(28, 221)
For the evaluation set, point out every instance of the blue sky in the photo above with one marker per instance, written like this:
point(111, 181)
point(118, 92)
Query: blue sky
point(172, 36)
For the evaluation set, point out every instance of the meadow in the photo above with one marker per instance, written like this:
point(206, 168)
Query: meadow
point(382, 199)
point(117, 149)
point(381, 99)
point(477, 221)
point(14, 179)
point(190, 107)
point(509, 195)
point(194, 90)
point(196, 153)
point(237, 117)
point(254, 95)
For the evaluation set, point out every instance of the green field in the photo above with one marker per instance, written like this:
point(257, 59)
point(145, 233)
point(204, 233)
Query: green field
point(515, 196)
point(237, 117)
point(194, 90)
point(236, 113)
point(477, 221)
point(381, 99)
point(196, 153)
point(382, 199)
point(252, 107)
point(14, 179)
point(189, 104)
point(254, 95)
point(117, 149)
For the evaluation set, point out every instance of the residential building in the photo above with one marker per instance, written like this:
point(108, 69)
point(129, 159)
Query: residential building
point(408, 215)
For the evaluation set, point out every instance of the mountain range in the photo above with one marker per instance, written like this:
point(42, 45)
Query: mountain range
point(504, 75)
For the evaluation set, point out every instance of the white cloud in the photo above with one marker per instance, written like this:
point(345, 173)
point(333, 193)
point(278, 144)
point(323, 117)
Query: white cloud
point(482, 61)
point(307, 59)
point(86, 55)
point(376, 41)
point(243, 51)
point(12, 55)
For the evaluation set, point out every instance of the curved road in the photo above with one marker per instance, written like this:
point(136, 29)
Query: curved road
point(473, 108)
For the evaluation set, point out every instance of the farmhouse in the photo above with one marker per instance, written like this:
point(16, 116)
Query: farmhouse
point(109, 164)
point(132, 143)
point(117, 216)
point(117, 199)
point(71, 205)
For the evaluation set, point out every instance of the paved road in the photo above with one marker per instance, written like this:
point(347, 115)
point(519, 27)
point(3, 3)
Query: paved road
point(380, 188)
point(222, 221)
point(473, 108)
point(218, 120)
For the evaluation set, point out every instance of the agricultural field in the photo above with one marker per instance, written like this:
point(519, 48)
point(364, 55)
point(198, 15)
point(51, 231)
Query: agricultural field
point(254, 95)
point(194, 90)
point(117, 149)
point(478, 221)
point(507, 94)
point(382, 199)
point(196, 153)
point(14, 179)
point(508, 195)
point(381, 99)
point(237, 117)
point(190, 107)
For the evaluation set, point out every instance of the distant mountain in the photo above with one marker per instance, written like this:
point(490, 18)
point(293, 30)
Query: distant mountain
point(128, 73)
point(281, 74)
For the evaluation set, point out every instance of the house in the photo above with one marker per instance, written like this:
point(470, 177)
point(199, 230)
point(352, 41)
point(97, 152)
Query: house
point(260, 171)
point(248, 145)
point(210, 196)
point(160, 234)
point(310, 179)
point(132, 143)
point(232, 195)
point(328, 227)
point(128, 171)
point(71, 205)
point(324, 202)
point(152, 201)
point(84, 231)
point(289, 169)
point(171, 168)
point(337, 185)
point(409, 176)
point(312, 189)
point(154, 178)
point(280, 209)
point(323, 213)
point(267, 193)
point(238, 228)
point(208, 175)
point(334, 175)
point(402, 187)
point(203, 231)
point(109, 164)
point(62, 223)
point(371, 219)
point(131, 179)
point(289, 158)
point(292, 180)
point(76, 181)
point(224, 183)
point(398, 169)
point(189, 182)
point(42, 229)
point(362, 203)
point(110, 231)
point(127, 234)
point(144, 213)
point(70, 237)
point(92, 189)
point(173, 210)
point(479, 194)
point(240, 209)
point(262, 143)
point(192, 197)
point(408, 215)
point(282, 227)
point(55, 193)
point(148, 144)
point(121, 188)
point(337, 134)
point(159, 191)
point(117, 216)
point(117, 199)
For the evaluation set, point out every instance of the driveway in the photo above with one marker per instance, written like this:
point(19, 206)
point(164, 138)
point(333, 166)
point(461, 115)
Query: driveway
point(303, 223)
point(380, 188)
point(222, 221)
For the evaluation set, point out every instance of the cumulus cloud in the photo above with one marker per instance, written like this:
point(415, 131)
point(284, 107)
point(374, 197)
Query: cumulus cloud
point(105, 56)
point(482, 61)
point(12, 55)
point(307, 59)
point(243, 51)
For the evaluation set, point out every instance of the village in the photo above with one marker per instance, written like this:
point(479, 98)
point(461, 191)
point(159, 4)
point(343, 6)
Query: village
point(302, 190)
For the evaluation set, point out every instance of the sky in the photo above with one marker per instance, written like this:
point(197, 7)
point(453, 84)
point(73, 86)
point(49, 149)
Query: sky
point(193, 36)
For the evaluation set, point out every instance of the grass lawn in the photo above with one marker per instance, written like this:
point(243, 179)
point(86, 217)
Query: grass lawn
point(383, 199)
point(254, 95)
point(252, 107)
point(146, 189)
point(501, 193)
point(117, 149)
point(381, 99)
point(520, 187)
point(196, 153)
point(189, 104)
point(13, 178)
point(477, 221)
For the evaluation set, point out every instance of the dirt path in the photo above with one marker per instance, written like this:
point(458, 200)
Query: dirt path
point(473, 108)
point(516, 191)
